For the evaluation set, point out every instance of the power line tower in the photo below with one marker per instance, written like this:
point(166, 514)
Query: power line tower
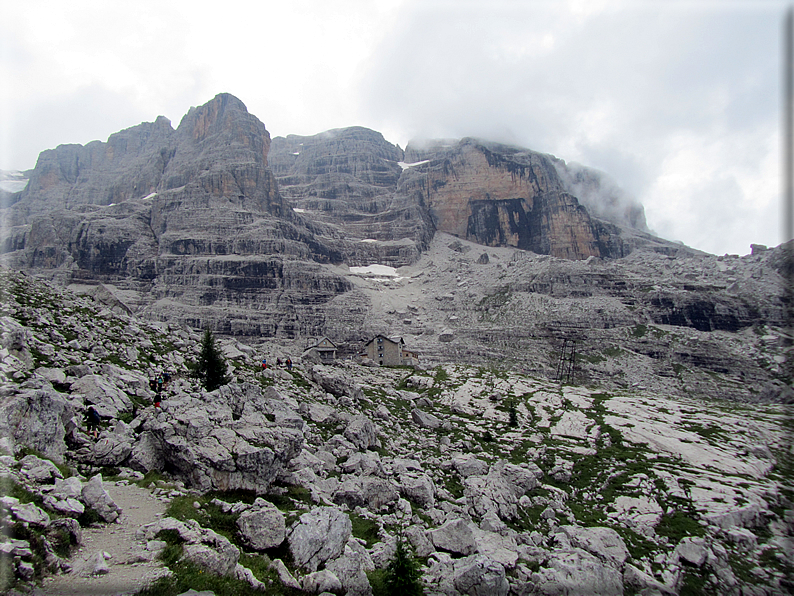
point(567, 363)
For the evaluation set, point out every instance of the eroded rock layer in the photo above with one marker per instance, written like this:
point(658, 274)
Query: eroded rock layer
point(190, 218)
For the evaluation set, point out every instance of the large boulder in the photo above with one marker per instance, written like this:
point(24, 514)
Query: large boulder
point(204, 547)
point(575, 572)
point(104, 395)
point(95, 496)
point(322, 582)
point(27, 513)
point(203, 443)
point(500, 490)
point(335, 382)
point(219, 558)
point(351, 569)
point(480, 576)
point(418, 488)
point(605, 543)
point(40, 419)
point(262, 526)
point(39, 470)
point(691, 550)
point(362, 433)
point(425, 419)
point(319, 535)
point(379, 493)
point(147, 453)
point(114, 447)
point(468, 465)
point(455, 537)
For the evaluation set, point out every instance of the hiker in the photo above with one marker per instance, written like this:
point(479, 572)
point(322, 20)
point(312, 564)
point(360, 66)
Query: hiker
point(264, 363)
point(160, 381)
point(93, 419)
point(278, 361)
point(289, 363)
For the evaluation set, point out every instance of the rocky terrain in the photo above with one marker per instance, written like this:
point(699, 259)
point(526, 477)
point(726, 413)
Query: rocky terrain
point(501, 481)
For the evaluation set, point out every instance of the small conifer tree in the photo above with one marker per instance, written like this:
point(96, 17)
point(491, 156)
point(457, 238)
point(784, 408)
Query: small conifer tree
point(403, 575)
point(211, 367)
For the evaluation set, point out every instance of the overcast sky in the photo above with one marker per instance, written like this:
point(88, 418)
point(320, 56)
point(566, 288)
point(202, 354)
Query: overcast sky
point(680, 102)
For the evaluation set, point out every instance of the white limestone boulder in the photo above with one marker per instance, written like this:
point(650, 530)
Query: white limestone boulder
point(603, 542)
point(95, 496)
point(480, 576)
point(362, 433)
point(418, 488)
point(263, 526)
point(454, 536)
point(351, 569)
point(575, 572)
point(319, 535)
point(321, 582)
point(104, 395)
point(425, 419)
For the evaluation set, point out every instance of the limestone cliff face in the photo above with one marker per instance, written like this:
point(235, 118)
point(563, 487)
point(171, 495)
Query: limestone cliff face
point(346, 180)
point(501, 196)
point(191, 217)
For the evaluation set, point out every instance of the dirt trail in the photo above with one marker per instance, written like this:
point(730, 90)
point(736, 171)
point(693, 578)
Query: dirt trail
point(127, 575)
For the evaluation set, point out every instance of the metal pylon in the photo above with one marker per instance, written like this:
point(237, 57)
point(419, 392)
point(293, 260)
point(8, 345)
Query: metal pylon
point(567, 363)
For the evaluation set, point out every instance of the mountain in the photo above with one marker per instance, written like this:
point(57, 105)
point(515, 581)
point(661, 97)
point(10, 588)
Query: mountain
point(496, 253)
point(188, 220)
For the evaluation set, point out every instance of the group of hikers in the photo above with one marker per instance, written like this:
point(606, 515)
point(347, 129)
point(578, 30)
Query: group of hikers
point(157, 383)
point(287, 363)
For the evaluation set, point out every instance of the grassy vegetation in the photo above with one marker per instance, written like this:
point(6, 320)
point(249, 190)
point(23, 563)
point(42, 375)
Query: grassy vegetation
point(188, 576)
point(208, 514)
point(365, 529)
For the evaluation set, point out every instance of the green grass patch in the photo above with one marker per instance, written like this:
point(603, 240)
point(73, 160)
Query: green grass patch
point(188, 576)
point(365, 529)
point(678, 525)
point(639, 331)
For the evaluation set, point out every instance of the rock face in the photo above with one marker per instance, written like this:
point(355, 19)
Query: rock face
point(191, 216)
point(500, 196)
point(347, 179)
point(209, 224)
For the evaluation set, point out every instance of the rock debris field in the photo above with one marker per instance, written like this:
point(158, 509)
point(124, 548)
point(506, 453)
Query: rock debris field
point(303, 481)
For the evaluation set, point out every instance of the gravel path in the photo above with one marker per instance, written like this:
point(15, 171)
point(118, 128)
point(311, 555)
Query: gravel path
point(128, 573)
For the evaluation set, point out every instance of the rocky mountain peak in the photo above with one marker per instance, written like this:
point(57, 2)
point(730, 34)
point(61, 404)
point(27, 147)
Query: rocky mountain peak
point(226, 119)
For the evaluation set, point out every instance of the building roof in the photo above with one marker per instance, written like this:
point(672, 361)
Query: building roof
point(321, 340)
point(397, 340)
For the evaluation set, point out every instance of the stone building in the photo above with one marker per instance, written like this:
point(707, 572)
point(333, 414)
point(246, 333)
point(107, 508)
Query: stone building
point(324, 348)
point(389, 352)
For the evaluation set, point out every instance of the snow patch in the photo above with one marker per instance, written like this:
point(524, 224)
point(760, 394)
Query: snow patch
point(147, 197)
point(296, 153)
point(368, 240)
point(405, 166)
point(375, 271)
point(298, 210)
